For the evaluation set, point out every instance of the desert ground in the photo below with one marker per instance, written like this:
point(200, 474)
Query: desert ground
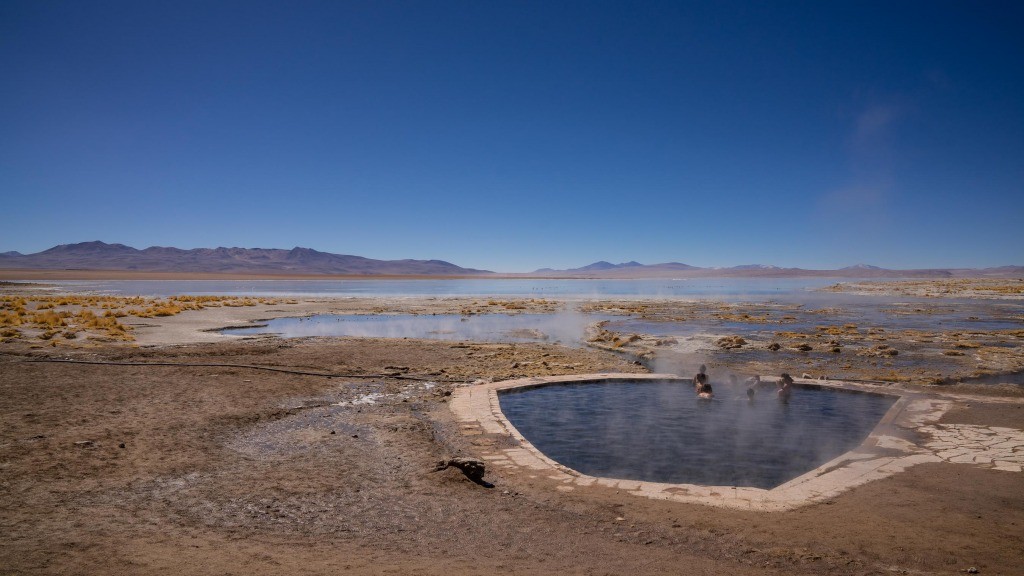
point(138, 439)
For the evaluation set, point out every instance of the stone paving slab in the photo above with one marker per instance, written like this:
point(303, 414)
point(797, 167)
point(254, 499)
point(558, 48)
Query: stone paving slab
point(888, 450)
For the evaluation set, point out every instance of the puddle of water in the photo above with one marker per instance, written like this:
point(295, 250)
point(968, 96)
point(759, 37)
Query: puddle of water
point(660, 432)
point(564, 328)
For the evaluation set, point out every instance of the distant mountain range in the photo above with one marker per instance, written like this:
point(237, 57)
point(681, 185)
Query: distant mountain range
point(604, 269)
point(118, 257)
point(100, 256)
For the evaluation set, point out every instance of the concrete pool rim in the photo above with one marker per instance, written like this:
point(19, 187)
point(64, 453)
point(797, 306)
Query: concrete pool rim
point(888, 449)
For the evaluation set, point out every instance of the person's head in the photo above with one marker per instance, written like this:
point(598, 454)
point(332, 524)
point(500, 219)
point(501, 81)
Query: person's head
point(750, 393)
point(703, 369)
point(785, 379)
point(701, 378)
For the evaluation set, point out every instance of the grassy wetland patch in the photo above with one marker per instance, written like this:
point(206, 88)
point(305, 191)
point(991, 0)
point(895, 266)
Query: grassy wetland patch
point(83, 319)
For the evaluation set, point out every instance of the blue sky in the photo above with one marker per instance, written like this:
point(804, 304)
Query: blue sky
point(517, 135)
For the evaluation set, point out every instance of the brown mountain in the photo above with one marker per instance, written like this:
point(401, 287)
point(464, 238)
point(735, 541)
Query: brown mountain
point(100, 256)
point(118, 257)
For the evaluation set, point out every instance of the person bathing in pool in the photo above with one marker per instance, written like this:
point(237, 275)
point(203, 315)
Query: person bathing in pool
point(700, 377)
point(752, 384)
point(785, 386)
point(701, 385)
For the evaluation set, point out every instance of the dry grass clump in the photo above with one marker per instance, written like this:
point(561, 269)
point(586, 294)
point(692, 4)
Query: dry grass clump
point(879, 351)
point(539, 304)
point(967, 345)
point(730, 342)
point(175, 305)
point(48, 319)
point(10, 319)
point(12, 310)
point(239, 302)
point(615, 308)
point(745, 318)
point(161, 309)
point(845, 329)
point(96, 317)
point(106, 323)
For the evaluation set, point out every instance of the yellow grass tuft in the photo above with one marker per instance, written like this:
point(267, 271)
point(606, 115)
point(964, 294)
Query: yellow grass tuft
point(10, 319)
point(48, 319)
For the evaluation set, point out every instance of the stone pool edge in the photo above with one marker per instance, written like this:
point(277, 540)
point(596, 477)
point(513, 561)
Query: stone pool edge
point(887, 450)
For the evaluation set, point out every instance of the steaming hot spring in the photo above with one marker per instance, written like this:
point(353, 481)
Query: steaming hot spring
point(658, 431)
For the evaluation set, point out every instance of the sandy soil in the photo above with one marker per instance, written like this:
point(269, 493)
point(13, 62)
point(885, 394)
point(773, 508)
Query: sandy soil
point(231, 469)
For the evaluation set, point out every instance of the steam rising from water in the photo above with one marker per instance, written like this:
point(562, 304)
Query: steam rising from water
point(660, 432)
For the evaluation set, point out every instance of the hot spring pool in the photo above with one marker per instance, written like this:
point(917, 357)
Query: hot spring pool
point(658, 431)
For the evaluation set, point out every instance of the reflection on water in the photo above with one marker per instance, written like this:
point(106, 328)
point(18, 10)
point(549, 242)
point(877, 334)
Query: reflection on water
point(565, 328)
point(660, 432)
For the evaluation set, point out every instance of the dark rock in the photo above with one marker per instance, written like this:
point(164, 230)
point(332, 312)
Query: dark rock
point(803, 347)
point(473, 469)
point(774, 346)
point(121, 445)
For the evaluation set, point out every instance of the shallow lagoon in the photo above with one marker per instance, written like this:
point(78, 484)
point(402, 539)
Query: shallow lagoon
point(562, 328)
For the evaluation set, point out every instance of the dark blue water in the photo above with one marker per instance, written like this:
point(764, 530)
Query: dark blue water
point(660, 431)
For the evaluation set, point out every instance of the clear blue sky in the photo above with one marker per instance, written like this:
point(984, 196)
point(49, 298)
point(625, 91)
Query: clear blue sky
point(517, 135)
